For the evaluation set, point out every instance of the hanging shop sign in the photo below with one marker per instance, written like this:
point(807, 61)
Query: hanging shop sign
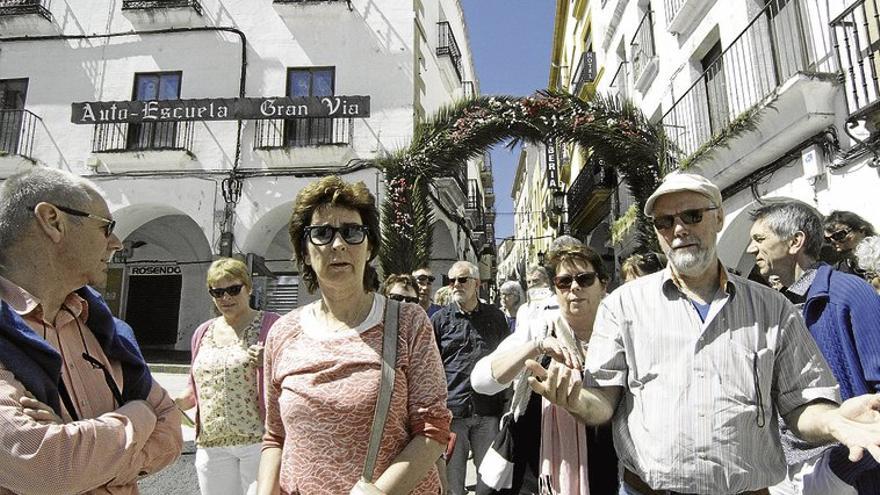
point(552, 168)
point(107, 112)
point(154, 270)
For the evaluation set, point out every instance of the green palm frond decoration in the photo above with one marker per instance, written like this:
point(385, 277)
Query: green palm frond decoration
point(614, 131)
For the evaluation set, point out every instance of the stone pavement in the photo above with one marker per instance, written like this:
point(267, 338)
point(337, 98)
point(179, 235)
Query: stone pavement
point(180, 477)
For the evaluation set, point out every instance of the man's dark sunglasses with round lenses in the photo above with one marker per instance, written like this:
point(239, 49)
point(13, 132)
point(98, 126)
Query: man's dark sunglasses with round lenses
point(688, 217)
point(232, 290)
point(425, 278)
point(583, 279)
point(321, 235)
point(461, 280)
point(838, 236)
point(109, 225)
point(402, 298)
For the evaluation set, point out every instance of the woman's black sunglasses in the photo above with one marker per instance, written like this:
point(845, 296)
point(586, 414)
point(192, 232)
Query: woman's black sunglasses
point(232, 290)
point(321, 235)
point(402, 298)
point(583, 279)
point(838, 236)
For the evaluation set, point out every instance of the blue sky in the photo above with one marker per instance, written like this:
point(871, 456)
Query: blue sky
point(511, 42)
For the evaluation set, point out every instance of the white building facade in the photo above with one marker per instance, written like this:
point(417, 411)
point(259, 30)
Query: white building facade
point(767, 98)
point(184, 192)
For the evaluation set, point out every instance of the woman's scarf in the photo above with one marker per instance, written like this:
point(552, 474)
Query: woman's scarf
point(563, 440)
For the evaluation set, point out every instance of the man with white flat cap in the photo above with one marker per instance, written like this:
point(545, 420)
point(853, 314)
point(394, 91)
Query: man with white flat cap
point(696, 366)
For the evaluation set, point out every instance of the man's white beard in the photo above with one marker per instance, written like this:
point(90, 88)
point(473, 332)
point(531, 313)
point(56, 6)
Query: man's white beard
point(691, 262)
point(458, 298)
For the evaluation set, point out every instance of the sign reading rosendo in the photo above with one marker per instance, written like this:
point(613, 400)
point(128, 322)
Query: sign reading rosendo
point(106, 112)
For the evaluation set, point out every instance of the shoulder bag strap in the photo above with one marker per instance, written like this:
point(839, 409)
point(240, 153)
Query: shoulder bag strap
point(389, 358)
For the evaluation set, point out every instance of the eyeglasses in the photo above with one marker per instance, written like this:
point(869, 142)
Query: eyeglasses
point(425, 278)
point(321, 235)
point(838, 236)
point(109, 225)
point(460, 280)
point(232, 290)
point(583, 279)
point(402, 298)
point(688, 217)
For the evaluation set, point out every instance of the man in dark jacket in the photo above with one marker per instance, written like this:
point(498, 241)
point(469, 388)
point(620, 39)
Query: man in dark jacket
point(842, 313)
point(467, 330)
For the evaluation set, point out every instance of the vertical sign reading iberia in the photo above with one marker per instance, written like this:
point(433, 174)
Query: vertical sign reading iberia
point(552, 168)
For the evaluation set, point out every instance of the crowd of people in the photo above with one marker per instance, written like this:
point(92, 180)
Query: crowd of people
point(687, 378)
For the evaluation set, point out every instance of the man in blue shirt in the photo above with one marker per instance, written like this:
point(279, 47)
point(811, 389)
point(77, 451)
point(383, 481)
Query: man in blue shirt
point(842, 313)
point(466, 331)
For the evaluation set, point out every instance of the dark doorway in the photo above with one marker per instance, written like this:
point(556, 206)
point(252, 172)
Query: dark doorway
point(716, 89)
point(153, 309)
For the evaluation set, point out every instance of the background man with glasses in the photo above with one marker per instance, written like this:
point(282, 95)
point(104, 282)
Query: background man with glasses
point(79, 411)
point(842, 313)
point(466, 331)
point(425, 280)
point(696, 365)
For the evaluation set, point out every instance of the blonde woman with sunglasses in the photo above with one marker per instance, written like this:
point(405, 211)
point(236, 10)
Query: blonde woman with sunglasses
point(226, 384)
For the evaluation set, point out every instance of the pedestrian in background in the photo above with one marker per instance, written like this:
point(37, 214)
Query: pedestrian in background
point(844, 230)
point(401, 288)
point(638, 265)
point(323, 364)
point(226, 384)
point(868, 256)
point(466, 331)
point(568, 457)
point(425, 278)
point(512, 297)
point(443, 296)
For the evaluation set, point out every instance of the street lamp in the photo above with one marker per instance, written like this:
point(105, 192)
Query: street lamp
point(541, 258)
point(558, 201)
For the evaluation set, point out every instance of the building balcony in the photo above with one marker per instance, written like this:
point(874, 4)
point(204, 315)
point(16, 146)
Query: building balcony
point(163, 12)
point(682, 15)
point(307, 141)
point(447, 46)
point(486, 170)
point(588, 195)
point(25, 17)
point(17, 131)
point(468, 90)
point(771, 89)
point(856, 36)
point(645, 64)
point(125, 147)
point(489, 196)
point(584, 73)
point(474, 206)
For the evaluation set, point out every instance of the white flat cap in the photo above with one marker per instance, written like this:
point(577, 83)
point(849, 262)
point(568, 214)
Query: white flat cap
point(681, 182)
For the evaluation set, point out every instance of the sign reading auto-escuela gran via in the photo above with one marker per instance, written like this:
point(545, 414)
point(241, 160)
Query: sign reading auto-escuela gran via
point(106, 112)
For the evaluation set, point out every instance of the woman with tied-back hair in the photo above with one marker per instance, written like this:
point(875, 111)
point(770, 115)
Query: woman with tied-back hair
point(551, 447)
point(226, 384)
point(323, 362)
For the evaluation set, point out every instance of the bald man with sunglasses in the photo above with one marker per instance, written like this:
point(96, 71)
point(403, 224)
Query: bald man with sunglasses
point(79, 410)
point(694, 367)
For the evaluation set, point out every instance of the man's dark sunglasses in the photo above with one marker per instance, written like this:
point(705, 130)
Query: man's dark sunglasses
point(321, 235)
point(109, 225)
point(688, 217)
point(232, 290)
point(583, 279)
point(838, 236)
point(425, 278)
point(461, 280)
point(402, 298)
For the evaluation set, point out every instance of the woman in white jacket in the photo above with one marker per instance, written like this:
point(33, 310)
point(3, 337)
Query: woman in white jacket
point(544, 436)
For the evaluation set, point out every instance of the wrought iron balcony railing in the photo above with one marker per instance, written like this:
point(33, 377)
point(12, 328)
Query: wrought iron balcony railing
point(161, 4)
point(595, 174)
point(467, 88)
point(299, 133)
point(147, 136)
point(448, 46)
point(855, 34)
point(672, 7)
point(21, 7)
point(17, 131)
point(642, 45)
point(782, 39)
